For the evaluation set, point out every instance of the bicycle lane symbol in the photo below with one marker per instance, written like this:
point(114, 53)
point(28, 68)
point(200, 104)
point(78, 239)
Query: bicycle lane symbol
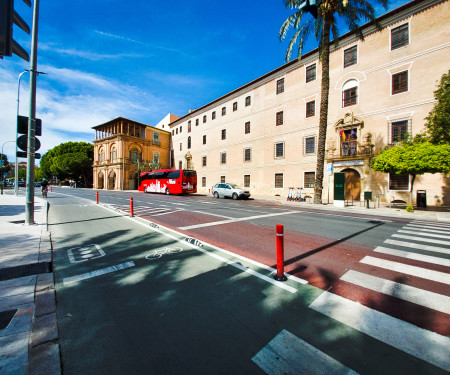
point(156, 254)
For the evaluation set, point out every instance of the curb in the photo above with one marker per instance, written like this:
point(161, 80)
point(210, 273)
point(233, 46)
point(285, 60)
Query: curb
point(43, 346)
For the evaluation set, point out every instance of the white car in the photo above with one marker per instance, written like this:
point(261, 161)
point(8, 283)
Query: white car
point(229, 190)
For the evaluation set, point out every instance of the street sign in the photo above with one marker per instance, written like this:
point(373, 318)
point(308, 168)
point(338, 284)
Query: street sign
point(329, 169)
point(22, 143)
point(22, 126)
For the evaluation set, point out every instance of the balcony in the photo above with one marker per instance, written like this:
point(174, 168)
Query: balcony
point(350, 150)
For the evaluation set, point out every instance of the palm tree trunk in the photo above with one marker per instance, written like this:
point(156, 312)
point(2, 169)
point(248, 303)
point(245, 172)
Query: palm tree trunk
point(325, 88)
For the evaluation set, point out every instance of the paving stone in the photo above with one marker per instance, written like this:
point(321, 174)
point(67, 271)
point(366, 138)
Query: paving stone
point(44, 281)
point(44, 330)
point(44, 359)
point(45, 302)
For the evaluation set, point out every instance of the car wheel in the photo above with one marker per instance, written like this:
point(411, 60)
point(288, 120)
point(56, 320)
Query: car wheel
point(167, 192)
point(235, 196)
point(216, 194)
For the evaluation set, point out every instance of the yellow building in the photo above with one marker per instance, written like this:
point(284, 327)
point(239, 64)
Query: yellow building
point(264, 134)
point(124, 147)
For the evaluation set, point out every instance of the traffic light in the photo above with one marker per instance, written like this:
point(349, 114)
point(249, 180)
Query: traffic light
point(8, 17)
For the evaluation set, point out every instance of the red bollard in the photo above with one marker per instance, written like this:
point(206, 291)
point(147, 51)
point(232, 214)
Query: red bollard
point(131, 207)
point(51, 189)
point(280, 254)
point(96, 196)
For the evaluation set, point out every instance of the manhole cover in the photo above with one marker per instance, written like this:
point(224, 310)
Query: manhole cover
point(6, 317)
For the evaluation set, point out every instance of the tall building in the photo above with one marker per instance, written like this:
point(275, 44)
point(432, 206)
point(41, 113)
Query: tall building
point(264, 134)
point(123, 148)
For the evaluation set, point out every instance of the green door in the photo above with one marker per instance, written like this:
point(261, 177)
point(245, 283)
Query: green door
point(339, 186)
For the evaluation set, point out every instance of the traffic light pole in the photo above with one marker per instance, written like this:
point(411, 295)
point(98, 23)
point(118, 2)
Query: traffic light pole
point(16, 169)
point(29, 206)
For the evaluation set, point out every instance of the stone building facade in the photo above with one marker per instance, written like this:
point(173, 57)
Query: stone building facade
point(264, 134)
point(124, 147)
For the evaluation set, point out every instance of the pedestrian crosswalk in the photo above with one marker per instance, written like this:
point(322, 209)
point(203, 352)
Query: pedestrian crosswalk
point(411, 266)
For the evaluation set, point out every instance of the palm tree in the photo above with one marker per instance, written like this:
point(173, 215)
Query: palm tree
point(326, 22)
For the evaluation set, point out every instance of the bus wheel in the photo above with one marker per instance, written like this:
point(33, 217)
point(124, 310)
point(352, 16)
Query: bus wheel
point(167, 192)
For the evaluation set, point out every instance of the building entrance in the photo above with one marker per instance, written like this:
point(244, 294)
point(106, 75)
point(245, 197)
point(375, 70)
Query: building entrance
point(352, 184)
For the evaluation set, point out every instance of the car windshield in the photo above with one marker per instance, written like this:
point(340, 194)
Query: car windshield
point(234, 186)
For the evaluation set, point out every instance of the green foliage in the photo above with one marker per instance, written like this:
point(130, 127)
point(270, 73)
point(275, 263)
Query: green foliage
point(69, 160)
point(438, 121)
point(414, 159)
point(409, 208)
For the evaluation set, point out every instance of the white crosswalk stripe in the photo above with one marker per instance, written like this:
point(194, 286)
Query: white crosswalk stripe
point(413, 256)
point(422, 229)
point(426, 234)
point(420, 239)
point(435, 249)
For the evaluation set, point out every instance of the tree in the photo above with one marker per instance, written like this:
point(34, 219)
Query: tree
point(413, 158)
point(69, 160)
point(326, 23)
point(437, 127)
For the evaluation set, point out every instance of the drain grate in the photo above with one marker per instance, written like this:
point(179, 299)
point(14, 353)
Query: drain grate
point(25, 270)
point(6, 317)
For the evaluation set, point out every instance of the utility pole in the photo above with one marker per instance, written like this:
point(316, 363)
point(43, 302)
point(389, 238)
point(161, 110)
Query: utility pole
point(29, 206)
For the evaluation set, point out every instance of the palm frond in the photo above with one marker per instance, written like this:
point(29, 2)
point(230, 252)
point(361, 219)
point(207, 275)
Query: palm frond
point(303, 32)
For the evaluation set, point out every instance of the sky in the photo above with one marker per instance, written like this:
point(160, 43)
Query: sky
point(137, 59)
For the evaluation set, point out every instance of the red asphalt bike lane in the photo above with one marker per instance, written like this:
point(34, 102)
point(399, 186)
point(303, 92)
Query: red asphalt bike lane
point(319, 260)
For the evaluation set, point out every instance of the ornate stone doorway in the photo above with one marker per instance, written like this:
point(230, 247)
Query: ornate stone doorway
point(352, 184)
point(100, 183)
point(112, 180)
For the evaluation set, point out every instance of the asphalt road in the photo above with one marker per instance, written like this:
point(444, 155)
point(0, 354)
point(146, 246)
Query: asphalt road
point(205, 310)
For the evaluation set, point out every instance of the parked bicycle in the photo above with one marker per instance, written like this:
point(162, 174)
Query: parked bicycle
point(156, 254)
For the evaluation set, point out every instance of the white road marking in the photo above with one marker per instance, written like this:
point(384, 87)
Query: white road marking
point(423, 273)
point(420, 228)
point(168, 212)
point(418, 342)
point(425, 234)
point(435, 249)
point(414, 256)
point(290, 355)
point(179, 204)
point(431, 223)
point(421, 239)
point(222, 222)
point(100, 272)
point(408, 293)
point(210, 214)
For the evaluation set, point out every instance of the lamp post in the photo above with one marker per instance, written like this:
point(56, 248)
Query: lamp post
point(3, 178)
point(16, 168)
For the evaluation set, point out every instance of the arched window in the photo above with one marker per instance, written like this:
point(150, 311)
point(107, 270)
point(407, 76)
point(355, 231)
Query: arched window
point(189, 142)
point(113, 154)
point(350, 93)
point(101, 156)
point(135, 155)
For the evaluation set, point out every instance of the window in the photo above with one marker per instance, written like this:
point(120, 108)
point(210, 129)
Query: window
point(173, 132)
point(248, 101)
point(278, 180)
point(113, 154)
point(135, 155)
point(189, 126)
point(223, 158)
point(247, 127)
point(189, 143)
point(399, 130)
point(203, 181)
point(181, 146)
point(398, 181)
point(224, 134)
point(310, 73)
point(400, 82)
point(309, 145)
point(196, 122)
point(280, 118)
point(280, 86)
point(156, 158)
point(181, 129)
point(350, 93)
point(350, 56)
point(399, 36)
point(279, 150)
point(247, 154)
point(222, 179)
point(311, 108)
point(224, 111)
point(102, 156)
point(310, 178)
point(180, 165)
point(204, 118)
point(234, 106)
point(177, 130)
point(204, 161)
point(156, 138)
point(246, 180)
point(213, 115)
point(204, 139)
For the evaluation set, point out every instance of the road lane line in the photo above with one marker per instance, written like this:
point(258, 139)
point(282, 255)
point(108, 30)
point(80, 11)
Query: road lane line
point(408, 293)
point(425, 234)
point(421, 239)
point(418, 342)
point(288, 354)
point(423, 273)
point(435, 249)
point(100, 272)
point(230, 221)
point(413, 256)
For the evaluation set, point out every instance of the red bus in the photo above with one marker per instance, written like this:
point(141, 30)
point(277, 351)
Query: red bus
point(169, 181)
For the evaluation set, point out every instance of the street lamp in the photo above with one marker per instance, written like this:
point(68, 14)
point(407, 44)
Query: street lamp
point(3, 178)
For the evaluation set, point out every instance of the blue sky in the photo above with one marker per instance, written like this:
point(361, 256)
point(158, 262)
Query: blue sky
point(138, 59)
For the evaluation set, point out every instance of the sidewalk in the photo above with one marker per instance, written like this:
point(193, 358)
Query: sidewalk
point(28, 330)
point(429, 214)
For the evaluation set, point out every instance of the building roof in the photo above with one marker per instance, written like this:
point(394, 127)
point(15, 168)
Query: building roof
point(117, 119)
